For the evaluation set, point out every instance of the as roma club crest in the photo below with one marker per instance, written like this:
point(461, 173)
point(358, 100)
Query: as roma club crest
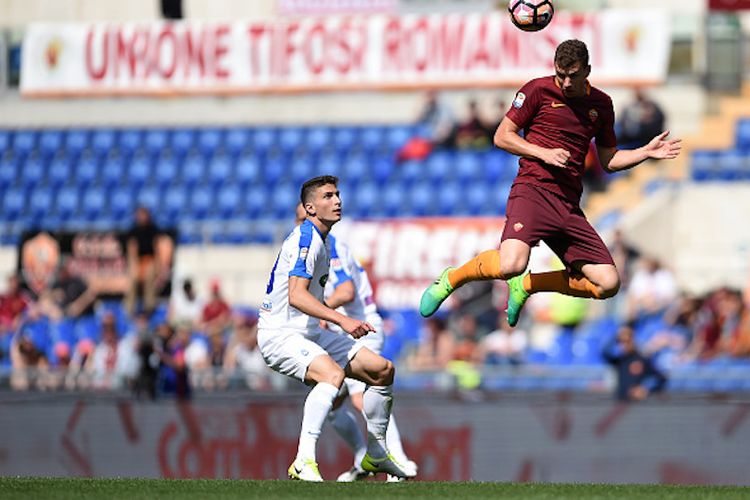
point(593, 114)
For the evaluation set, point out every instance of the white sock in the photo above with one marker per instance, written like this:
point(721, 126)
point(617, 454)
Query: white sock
point(317, 406)
point(377, 402)
point(393, 440)
point(345, 423)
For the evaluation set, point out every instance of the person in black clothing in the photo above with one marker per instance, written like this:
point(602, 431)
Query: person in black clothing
point(636, 375)
point(141, 253)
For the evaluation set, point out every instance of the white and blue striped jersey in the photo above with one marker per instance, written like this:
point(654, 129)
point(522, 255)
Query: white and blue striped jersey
point(344, 267)
point(304, 253)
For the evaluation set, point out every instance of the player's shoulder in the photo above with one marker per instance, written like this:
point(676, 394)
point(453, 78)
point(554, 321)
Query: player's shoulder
point(540, 83)
point(599, 95)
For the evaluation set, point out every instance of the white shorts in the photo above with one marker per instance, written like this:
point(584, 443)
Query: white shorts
point(291, 352)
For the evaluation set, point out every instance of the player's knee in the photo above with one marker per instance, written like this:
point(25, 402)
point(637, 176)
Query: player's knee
point(512, 268)
point(609, 286)
point(334, 377)
point(385, 374)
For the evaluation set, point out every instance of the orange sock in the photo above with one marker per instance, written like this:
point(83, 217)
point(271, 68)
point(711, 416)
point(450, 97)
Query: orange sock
point(562, 282)
point(485, 266)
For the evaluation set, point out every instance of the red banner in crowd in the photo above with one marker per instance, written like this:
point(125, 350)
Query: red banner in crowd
point(729, 4)
point(402, 256)
point(332, 53)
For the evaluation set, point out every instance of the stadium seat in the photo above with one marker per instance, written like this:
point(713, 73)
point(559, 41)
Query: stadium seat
point(76, 141)
point(421, 200)
point(183, 140)
point(66, 202)
point(318, 138)
point(248, 169)
point(263, 139)
point(329, 163)
point(371, 138)
point(263, 231)
point(24, 142)
point(165, 170)
point(238, 140)
point(290, 139)
point(397, 136)
point(103, 141)
point(704, 165)
point(256, 200)
point(32, 172)
point(382, 167)
point(393, 199)
point(201, 201)
point(139, 171)
point(210, 140)
point(450, 199)
point(274, 168)
point(742, 139)
point(228, 201)
point(468, 166)
point(50, 142)
point(40, 201)
point(283, 201)
point(9, 171)
point(355, 167)
point(410, 172)
point(61, 171)
point(175, 201)
point(193, 169)
point(731, 164)
point(6, 140)
point(86, 171)
point(220, 169)
point(365, 202)
point(113, 171)
point(149, 196)
point(438, 166)
point(478, 198)
point(93, 204)
point(121, 203)
point(156, 140)
point(189, 232)
point(301, 169)
point(345, 138)
point(130, 140)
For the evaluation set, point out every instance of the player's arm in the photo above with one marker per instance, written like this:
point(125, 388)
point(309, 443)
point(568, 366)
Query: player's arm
point(507, 137)
point(342, 294)
point(301, 299)
point(660, 148)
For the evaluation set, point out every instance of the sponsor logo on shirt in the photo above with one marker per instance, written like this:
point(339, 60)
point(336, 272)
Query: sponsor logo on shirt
point(267, 305)
point(323, 280)
point(336, 264)
point(558, 104)
point(519, 100)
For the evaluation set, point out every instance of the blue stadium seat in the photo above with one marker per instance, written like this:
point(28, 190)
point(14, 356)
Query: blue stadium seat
point(393, 199)
point(24, 142)
point(704, 165)
point(330, 163)
point(32, 172)
point(237, 232)
point(130, 140)
point(228, 201)
point(263, 139)
point(355, 167)
point(318, 138)
point(220, 169)
point(397, 136)
point(450, 199)
point(183, 140)
point(6, 139)
point(156, 140)
point(365, 202)
point(248, 169)
point(113, 171)
point(301, 169)
point(139, 171)
point(478, 198)
point(201, 202)
point(256, 201)
point(175, 202)
point(411, 171)
point(76, 141)
point(121, 203)
point(345, 138)
point(731, 164)
point(468, 166)
point(742, 139)
point(189, 232)
point(103, 141)
point(439, 166)
point(283, 201)
point(149, 196)
point(238, 140)
point(50, 142)
point(61, 171)
point(371, 138)
point(421, 200)
point(290, 139)
point(87, 170)
point(382, 167)
point(9, 170)
point(274, 168)
point(210, 140)
point(40, 201)
point(66, 202)
point(193, 169)
point(166, 171)
point(93, 205)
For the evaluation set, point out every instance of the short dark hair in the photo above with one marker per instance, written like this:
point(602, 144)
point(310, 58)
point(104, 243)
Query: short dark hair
point(311, 185)
point(570, 52)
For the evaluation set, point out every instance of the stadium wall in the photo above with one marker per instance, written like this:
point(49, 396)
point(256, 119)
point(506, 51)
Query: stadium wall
point(526, 438)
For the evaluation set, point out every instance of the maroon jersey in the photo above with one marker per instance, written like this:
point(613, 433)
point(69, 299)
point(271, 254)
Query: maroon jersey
point(551, 120)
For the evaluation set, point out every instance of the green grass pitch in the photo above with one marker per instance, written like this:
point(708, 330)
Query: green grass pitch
point(133, 489)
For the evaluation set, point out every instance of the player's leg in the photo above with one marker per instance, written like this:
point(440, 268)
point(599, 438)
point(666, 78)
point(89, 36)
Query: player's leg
point(595, 281)
point(344, 422)
point(377, 401)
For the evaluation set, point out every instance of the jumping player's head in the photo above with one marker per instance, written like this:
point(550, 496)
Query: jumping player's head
point(321, 201)
point(572, 67)
point(299, 214)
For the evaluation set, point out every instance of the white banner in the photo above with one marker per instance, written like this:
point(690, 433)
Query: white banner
point(333, 53)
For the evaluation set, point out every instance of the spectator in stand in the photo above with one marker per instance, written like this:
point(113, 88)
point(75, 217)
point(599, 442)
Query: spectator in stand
point(217, 315)
point(185, 306)
point(640, 121)
point(174, 376)
point(474, 133)
point(652, 289)
point(503, 346)
point(637, 377)
point(668, 346)
point(147, 345)
point(721, 327)
point(243, 356)
point(70, 296)
point(142, 241)
point(103, 362)
point(439, 120)
point(12, 305)
point(435, 349)
point(29, 349)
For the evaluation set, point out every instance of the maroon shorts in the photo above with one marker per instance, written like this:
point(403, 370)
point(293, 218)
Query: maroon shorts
point(533, 214)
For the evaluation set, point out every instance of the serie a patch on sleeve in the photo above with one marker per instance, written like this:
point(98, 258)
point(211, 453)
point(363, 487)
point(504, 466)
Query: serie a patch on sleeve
point(303, 253)
point(519, 100)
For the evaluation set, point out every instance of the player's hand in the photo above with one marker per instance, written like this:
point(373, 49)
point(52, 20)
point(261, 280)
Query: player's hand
point(557, 157)
point(356, 328)
point(638, 393)
point(662, 149)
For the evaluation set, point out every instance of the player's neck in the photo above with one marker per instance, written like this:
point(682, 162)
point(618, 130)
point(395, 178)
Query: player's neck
point(322, 227)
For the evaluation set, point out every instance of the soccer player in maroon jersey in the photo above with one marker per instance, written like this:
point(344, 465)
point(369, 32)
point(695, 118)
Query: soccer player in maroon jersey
point(560, 115)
